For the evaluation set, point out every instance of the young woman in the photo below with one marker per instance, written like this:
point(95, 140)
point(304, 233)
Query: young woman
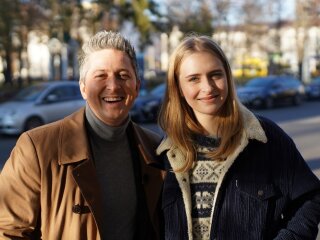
point(230, 174)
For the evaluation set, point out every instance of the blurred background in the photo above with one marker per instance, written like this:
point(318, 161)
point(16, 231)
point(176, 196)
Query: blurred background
point(273, 47)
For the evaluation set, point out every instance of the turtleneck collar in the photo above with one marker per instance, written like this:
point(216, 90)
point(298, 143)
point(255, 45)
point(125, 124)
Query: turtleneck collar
point(103, 130)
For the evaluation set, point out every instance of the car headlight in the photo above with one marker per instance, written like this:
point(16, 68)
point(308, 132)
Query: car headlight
point(9, 115)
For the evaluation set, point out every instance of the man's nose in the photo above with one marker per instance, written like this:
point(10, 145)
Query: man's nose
point(113, 83)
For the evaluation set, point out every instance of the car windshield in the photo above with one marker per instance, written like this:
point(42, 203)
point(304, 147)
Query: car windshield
point(259, 82)
point(29, 94)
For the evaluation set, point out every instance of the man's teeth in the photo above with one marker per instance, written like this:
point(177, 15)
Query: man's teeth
point(113, 99)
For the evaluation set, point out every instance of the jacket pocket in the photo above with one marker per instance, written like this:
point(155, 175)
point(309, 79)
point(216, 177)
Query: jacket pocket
point(255, 204)
point(257, 190)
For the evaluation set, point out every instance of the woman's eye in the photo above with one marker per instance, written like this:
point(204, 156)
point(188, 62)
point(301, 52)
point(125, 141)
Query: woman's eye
point(193, 79)
point(216, 76)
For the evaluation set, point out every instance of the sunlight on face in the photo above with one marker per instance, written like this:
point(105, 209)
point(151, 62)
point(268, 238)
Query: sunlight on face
point(110, 87)
point(203, 84)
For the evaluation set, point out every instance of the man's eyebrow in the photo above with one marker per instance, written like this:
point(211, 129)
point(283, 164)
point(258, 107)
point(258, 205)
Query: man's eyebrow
point(124, 70)
point(98, 71)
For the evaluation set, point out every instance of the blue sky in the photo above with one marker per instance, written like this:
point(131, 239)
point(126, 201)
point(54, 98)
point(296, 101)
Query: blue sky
point(288, 7)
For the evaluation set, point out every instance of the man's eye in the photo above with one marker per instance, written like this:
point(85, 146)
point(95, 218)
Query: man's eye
point(101, 76)
point(124, 76)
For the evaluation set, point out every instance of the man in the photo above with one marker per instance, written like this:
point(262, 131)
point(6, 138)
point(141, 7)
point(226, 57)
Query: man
point(90, 175)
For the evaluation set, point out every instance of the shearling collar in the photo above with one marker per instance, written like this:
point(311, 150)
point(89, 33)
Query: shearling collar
point(252, 130)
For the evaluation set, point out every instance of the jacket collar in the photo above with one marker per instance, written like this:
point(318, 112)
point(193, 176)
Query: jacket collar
point(73, 142)
point(147, 141)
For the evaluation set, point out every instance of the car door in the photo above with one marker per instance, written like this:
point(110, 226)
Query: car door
point(60, 102)
point(283, 90)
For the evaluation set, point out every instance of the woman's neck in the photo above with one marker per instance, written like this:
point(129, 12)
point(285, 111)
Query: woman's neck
point(210, 125)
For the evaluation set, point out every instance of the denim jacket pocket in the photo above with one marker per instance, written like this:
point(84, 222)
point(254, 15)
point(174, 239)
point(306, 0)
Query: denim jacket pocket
point(261, 191)
point(255, 201)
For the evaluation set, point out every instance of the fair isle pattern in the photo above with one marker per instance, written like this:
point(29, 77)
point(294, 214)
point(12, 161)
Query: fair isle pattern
point(203, 181)
point(201, 228)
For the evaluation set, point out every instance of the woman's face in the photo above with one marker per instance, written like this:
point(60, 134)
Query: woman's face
point(203, 84)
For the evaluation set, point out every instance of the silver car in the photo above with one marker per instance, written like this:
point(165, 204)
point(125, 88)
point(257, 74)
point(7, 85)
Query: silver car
point(39, 104)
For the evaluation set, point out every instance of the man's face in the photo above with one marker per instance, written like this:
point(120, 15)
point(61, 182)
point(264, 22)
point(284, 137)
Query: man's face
point(110, 86)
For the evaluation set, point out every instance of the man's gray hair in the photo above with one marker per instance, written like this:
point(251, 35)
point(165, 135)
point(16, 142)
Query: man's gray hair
point(106, 40)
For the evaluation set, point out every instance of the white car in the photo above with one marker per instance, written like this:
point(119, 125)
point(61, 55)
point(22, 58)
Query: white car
point(39, 104)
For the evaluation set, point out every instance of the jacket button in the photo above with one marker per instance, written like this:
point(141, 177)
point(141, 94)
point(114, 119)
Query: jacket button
point(173, 155)
point(260, 193)
point(184, 180)
point(76, 209)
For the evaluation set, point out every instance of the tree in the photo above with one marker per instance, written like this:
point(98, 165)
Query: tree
point(191, 16)
point(307, 14)
point(140, 12)
point(9, 18)
point(16, 20)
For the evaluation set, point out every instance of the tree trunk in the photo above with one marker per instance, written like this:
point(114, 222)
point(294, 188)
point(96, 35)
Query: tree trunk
point(8, 70)
point(300, 70)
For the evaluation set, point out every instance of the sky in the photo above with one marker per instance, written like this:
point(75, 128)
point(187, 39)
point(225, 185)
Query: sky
point(288, 7)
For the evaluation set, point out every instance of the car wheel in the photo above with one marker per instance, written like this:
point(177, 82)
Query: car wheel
point(269, 103)
point(297, 100)
point(32, 122)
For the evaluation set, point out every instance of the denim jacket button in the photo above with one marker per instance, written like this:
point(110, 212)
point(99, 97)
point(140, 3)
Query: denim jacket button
point(260, 193)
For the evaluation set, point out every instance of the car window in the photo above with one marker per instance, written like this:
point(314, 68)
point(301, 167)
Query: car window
point(76, 92)
point(63, 93)
point(259, 82)
point(30, 93)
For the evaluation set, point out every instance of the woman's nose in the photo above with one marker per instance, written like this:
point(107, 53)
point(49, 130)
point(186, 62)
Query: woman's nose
point(207, 85)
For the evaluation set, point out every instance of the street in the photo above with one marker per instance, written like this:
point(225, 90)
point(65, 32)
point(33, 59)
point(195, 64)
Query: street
point(302, 123)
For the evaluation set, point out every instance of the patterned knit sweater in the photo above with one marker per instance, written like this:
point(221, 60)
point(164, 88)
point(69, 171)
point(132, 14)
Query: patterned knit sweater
point(203, 180)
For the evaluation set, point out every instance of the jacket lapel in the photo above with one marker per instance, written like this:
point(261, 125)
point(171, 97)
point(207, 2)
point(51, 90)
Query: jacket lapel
point(85, 176)
point(74, 149)
point(151, 177)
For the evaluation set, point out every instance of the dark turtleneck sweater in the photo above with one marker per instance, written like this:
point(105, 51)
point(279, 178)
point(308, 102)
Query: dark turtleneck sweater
point(113, 160)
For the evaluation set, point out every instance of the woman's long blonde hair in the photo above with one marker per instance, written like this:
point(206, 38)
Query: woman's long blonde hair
point(176, 117)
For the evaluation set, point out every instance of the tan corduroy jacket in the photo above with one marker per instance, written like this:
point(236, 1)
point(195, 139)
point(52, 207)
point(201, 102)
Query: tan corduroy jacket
point(48, 186)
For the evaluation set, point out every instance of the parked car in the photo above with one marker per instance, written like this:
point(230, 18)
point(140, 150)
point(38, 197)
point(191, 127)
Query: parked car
point(271, 90)
point(313, 89)
point(146, 106)
point(39, 104)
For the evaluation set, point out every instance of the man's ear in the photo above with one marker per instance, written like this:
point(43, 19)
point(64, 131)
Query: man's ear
point(83, 90)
